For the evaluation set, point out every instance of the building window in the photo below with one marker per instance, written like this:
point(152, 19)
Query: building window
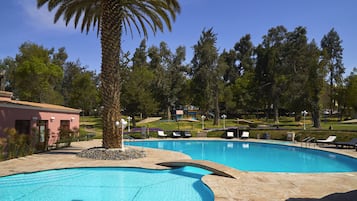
point(64, 125)
point(23, 126)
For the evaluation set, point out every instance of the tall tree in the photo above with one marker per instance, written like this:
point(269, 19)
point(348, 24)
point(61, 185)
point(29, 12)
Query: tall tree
point(36, 76)
point(7, 68)
point(226, 63)
point(59, 58)
point(112, 17)
point(245, 51)
point(315, 81)
point(296, 55)
point(270, 69)
point(331, 44)
point(79, 87)
point(243, 84)
point(138, 97)
point(176, 77)
point(159, 61)
point(352, 91)
point(169, 78)
point(204, 67)
point(229, 58)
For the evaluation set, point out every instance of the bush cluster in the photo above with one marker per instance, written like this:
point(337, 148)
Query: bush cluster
point(16, 145)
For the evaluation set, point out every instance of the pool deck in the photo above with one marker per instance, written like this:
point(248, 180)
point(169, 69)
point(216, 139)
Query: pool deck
point(246, 186)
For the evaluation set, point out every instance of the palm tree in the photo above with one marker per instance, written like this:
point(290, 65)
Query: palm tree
point(112, 18)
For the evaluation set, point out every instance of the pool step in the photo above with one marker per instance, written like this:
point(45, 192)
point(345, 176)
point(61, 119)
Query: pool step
point(215, 168)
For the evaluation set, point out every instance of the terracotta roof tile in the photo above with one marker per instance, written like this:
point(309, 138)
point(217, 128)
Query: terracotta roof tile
point(40, 105)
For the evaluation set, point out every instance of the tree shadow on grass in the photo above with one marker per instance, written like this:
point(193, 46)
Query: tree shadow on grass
point(347, 196)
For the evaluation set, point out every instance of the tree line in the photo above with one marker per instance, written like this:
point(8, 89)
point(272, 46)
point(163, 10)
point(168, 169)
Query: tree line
point(43, 75)
point(286, 73)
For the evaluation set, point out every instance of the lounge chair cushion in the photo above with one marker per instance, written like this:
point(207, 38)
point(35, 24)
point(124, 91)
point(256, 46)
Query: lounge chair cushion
point(230, 134)
point(245, 134)
point(330, 139)
point(161, 134)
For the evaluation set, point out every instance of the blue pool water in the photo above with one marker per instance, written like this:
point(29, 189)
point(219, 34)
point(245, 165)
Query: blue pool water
point(258, 157)
point(107, 184)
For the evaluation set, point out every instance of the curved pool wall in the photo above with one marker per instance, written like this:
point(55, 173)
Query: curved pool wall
point(114, 184)
point(258, 157)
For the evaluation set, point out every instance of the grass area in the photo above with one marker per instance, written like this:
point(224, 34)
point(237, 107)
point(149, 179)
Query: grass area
point(89, 124)
point(343, 131)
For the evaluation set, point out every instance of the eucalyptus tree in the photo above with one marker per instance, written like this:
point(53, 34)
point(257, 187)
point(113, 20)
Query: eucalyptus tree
point(295, 53)
point(79, 87)
point(112, 18)
point(243, 85)
point(229, 59)
point(169, 78)
point(245, 52)
point(7, 68)
point(159, 61)
point(227, 67)
point(205, 79)
point(315, 81)
point(331, 45)
point(270, 69)
point(137, 94)
point(351, 87)
point(59, 58)
point(36, 77)
point(181, 71)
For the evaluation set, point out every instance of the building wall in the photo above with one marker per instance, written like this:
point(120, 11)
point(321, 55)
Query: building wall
point(9, 115)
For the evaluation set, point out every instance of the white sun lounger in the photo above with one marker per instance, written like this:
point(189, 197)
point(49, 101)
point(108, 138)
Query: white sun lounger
point(330, 139)
point(176, 134)
point(245, 134)
point(161, 134)
point(230, 134)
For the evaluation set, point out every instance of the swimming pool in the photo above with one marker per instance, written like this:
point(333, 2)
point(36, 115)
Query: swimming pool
point(258, 157)
point(107, 184)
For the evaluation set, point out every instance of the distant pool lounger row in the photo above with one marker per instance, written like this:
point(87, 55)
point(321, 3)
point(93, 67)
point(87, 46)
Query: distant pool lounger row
point(174, 134)
point(230, 135)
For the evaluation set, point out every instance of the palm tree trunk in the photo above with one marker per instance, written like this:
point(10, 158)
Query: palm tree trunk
point(110, 78)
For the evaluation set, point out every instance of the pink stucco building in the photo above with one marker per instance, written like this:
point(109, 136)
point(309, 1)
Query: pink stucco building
point(29, 117)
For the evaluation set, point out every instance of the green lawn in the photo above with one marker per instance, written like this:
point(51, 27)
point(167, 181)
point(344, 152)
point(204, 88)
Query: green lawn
point(343, 131)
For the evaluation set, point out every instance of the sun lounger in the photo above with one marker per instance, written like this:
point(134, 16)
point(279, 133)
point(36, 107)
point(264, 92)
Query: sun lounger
point(307, 141)
point(187, 134)
point(176, 134)
point(245, 134)
point(290, 136)
point(352, 143)
point(328, 140)
point(229, 135)
point(161, 134)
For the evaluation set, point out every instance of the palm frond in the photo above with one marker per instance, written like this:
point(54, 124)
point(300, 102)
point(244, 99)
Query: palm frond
point(136, 13)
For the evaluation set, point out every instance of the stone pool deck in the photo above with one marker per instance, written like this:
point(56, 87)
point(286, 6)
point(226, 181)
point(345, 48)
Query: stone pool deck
point(246, 186)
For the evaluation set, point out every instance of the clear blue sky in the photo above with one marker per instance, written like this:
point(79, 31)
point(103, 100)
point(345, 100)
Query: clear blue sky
point(21, 21)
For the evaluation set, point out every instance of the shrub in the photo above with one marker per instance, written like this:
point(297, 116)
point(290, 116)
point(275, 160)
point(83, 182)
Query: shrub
point(15, 145)
point(215, 134)
point(66, 136)
point(2, 148)
point(253, 125)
